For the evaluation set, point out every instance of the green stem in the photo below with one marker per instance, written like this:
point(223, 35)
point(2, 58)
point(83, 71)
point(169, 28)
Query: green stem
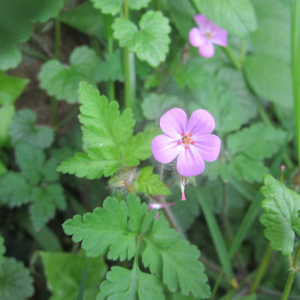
point(72, 114)
point(33, 53)
point(243, 50)
point(263, 115)
point(291, 276)
point(295, 58)
point(261, 269)
point(157, 4)
point(232, 57)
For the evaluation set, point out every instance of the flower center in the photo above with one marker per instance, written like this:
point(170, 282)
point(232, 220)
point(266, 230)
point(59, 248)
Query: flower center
point(186, 140)
point(208, 35)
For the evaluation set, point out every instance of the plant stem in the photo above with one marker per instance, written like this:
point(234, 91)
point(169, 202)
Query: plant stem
point(33, 53)
point(73, 113)
point(291, 276)
point(295, 58)
point(243, 50)
point(232, 57)
point(261, 269)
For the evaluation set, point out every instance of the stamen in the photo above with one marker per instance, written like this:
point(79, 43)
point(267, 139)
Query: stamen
point(179, 142)
point(183, 134)
point(192, 142)
point(186, 147)
point(190, 134)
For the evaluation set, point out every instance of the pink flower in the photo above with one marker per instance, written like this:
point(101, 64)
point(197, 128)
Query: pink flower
point(190, 140)
point(159, 206)
point(206, 36)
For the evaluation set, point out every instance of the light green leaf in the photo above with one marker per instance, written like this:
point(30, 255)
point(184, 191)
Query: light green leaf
point(14, 190)
point(281, 217)
point(6, 115)
point(45, 202)
point(103, 125)
point(257, 141)
point(62, 81)
point(180, 296)
point(138, 147)
point(2, 251)
point(10, 59)
point(123, 284)
point(15, 280)
point(30, 160)
point(242, 167)
point(66, 287)
point(115, 6)
point(112, 68)
point(270, 78)
point(22, 129)
point(221, 103)
point(86, 19)
point(150, 41)
point(149, 183)
point(154, 105)
point(11, 88)
point(173, 259)
point(236, 16)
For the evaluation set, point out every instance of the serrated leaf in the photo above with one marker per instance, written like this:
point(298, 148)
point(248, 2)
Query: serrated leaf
point(115, 6)
point(154, 105)
point(236, 16)
point(6, 115)
point(49, 170)
point(22, 129)
point(30, 160)
point(123, 284)
point(173, 259)
point(270, 78)
point(62, 81)
point(150, 41)
point(112, 68)
point(281, 217)
point(45, 202)
point(86, 19)
point(249, 141)
point(138, 147)
point(11, 88)
point(103, 125)
point(14, 190)
point(2, 251)
point(221, 103)
point(10, 59)
point(47, 9)
point(149, 183)
point(67, 286)
point(15, 280)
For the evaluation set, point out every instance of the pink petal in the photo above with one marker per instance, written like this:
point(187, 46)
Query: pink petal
point(201, 122)
point(190, 162)
point(165, 148)
point(207, 49)
point(196, 37)
point(219, 36)
point(209, 146)
point(204, 23)
point(173, 122)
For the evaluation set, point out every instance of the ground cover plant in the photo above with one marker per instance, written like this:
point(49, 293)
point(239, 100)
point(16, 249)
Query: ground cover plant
point(149, 149)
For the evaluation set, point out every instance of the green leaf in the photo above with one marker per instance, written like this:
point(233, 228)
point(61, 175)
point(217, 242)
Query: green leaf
point(11, 88)
point(242, 167)
point(3, 168)
point(86, 19)
point(150, 41)
point(49, 171)
point(22, 129)
point(154, 105)
point(281, 217)
point(149, 183)
point(62, 81)
point(173, 259)
point(15, 280)
point(103, 125)
point(249, 141)
point(6, 115)
point(14, 190)
point(270, 78)
point(236, 16)
point(2, 251)
point(123, 284)
point(47, 10)
point(115, 6)
point(221, 103)
point(10, 59)
point(138, 147)
point(112, 68)
point(67, 286)
point(45, 202)
point(30, 160)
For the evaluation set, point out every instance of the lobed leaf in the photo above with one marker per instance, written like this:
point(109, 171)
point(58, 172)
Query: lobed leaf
point(6, 116)
point(10, 59)
point(281, 216)
point(2, 251)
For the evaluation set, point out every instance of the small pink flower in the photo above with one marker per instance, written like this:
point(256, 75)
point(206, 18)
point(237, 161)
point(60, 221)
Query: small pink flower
point(159, 206)
point(190, 140)
point(206, 36)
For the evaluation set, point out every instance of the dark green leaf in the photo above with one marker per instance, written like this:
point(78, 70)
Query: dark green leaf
point(6, 115)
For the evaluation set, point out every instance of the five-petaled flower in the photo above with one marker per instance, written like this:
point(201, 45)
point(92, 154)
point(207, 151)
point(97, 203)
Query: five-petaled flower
point(190, 140)
point(207, 35)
